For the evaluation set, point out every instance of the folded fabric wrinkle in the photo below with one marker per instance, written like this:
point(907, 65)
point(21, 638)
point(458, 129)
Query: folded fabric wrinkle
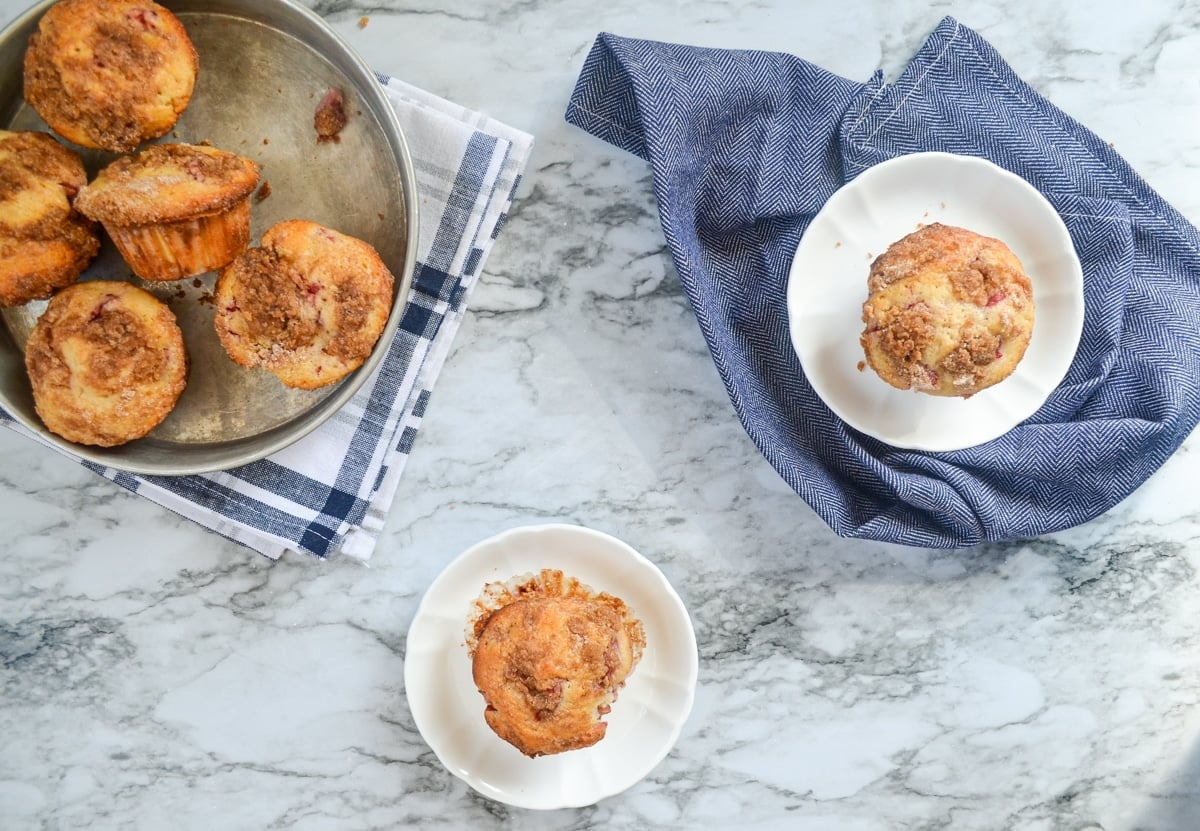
point(331, 491)
point(746, 147)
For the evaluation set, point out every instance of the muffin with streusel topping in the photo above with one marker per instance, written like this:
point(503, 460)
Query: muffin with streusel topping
point(307, 305)
point(110, 74)
point(949, 312)
point(45, 243)
point(174, 210)
point(106, 361)
point(548, 669)
point(549, 656)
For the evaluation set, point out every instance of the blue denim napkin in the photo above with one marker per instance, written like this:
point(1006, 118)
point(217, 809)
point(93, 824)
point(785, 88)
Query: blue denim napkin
point(747, 146)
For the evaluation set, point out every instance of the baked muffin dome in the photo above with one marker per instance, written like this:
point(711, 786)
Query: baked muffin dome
point(949, 312)
point(307, 305)
point(110, 74)
point(549, 668)
point(44, 243)
point(106, 361)
point(174, 210)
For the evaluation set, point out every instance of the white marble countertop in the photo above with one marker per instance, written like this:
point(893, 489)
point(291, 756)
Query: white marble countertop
point(155, 675)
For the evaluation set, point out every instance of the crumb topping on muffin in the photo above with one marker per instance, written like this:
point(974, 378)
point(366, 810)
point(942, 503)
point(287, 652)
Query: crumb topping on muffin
point(110, 74)
point(166, 183)
point(950, 312)
point(549, 656)
point(106, 361)
point(44, 242)
point(308, 305)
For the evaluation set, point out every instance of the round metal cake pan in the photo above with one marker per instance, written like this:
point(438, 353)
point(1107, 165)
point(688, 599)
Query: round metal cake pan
point(264, 67)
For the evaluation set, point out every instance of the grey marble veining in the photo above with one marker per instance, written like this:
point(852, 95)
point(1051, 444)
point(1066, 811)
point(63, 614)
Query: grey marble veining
point(154, 675)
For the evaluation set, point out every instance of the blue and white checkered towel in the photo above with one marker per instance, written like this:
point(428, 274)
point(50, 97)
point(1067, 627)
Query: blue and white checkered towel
point(746, 147)
point(331, 491)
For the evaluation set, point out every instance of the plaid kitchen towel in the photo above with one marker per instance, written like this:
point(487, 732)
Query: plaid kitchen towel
point(747, 146)
point(331, 491)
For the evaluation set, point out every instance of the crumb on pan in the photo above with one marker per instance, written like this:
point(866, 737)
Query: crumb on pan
point(330, 116)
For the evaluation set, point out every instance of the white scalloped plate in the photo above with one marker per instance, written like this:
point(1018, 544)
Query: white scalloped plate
point(646, 718)
point(828, 284)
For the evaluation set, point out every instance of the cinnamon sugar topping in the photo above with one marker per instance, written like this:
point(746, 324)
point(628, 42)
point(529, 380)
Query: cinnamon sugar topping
point(106, 362)
point(308, 305)
point(110, 73)
point(549, 582)
point(549, 656)
point(168, 182)
point(44, 242)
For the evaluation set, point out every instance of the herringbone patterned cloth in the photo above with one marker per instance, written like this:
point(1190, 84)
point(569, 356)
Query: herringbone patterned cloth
point(747, 146)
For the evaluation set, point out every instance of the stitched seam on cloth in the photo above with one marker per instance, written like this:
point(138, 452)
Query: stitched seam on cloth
point(916, 84)
point(606, 120)
point(1123, 219)
point(642, 136)
point(1053, 114)
point(866, 106)
point(1050, 112)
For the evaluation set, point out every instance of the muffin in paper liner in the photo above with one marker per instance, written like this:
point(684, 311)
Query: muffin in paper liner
point(174, 250)
point(174, 210)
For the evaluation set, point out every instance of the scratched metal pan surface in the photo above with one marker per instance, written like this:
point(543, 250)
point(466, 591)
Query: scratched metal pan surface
point(264, 66)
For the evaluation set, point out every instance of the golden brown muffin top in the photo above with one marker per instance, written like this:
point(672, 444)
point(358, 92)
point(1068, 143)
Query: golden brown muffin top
point(317, 257)
point(110, 73)
point(38, 179)
point(976, 267)
point(31, 269)
point(549, 668)
point(44, 242)
point(167, 183)
point(308, 305)
point(950, 311)
point(107, 362)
